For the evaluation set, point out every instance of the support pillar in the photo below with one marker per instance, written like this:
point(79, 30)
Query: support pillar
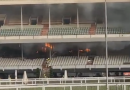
point(16, 74)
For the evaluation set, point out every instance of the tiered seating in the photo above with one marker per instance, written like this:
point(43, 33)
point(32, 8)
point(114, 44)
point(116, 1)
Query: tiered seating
point(28, 30)
point(68, 60)
point(112, 60)
point(110, 30)
point(19, 62)
point(68, 30)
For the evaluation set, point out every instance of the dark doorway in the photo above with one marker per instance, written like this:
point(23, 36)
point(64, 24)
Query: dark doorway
point(33, 22)
point(66, 21)
point(1, 23)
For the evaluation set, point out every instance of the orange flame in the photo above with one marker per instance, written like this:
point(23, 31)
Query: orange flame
point(48, 45)
point(87, 50)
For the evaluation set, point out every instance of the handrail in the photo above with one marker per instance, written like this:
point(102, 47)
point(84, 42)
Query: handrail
point(52, 81)
point(64, 36)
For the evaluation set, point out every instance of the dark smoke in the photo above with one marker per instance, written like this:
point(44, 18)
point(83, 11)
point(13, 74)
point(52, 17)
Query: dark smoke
point(118, 16)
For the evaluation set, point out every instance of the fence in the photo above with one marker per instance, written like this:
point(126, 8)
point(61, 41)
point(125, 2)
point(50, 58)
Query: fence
point(123, 86)
point(63, 81)
point(87, 83)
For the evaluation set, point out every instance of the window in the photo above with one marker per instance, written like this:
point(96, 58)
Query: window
point(1, 23)
point(66, 21)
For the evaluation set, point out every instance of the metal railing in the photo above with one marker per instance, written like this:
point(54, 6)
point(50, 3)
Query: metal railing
point(62, 81)
point(88, 66)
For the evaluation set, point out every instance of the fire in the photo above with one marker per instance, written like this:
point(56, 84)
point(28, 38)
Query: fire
point(87, 50)
point(48, 45)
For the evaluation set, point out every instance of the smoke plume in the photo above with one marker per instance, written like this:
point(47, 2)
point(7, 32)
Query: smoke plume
point(118, 16)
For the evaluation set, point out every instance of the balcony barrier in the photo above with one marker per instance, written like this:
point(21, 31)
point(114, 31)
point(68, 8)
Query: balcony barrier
point(63, 36)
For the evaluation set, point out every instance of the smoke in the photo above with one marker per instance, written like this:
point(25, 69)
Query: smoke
point(118, 16)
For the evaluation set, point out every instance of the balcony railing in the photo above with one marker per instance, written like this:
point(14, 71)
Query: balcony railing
point(63, 36)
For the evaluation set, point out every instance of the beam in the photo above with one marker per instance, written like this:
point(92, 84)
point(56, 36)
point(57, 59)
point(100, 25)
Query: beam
point(19, 2)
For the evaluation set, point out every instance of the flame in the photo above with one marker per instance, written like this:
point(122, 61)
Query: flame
point(87, 50)
point(48, 45)
point(51, 46)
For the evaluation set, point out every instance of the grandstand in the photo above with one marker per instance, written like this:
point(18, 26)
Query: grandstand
point(46, 63)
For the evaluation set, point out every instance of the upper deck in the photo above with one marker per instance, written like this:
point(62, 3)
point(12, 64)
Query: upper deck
point(19, 2)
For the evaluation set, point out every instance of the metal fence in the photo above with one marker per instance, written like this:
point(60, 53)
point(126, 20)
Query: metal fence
point(92, 86)
point(63, 81)
point(87, 83)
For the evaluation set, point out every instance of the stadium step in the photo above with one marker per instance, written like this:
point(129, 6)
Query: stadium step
point(90, 60)
point(92, 29)
point(45, 30)
point(45, 70)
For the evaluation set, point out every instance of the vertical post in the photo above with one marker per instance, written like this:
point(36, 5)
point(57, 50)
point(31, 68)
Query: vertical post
point(43, 88)
point(78, 53)
point(15, 74)
point(22, 51)
point(21, 18)
point(106, 46)
point(77, 18)
point(50, 53)
point(70, 87)
point(49, 17)
point(124, 87)
point(97, 87)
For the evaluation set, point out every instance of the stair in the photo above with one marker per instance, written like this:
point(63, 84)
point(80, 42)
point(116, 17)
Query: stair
point(45, 30)
point(45, 70)
point(92, 29)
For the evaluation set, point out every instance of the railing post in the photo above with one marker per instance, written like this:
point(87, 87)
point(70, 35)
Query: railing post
point(86, 87)
point(124, 87)
point(98, 80)
point(116, 86)
point(124, 79)
point(47, 81)
point(111, 79)
point(81, 81)
point(35, 81)
point(72, 80)
point(60, 80)
point(70, 87)
point(97, 87)
point(64, 87)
